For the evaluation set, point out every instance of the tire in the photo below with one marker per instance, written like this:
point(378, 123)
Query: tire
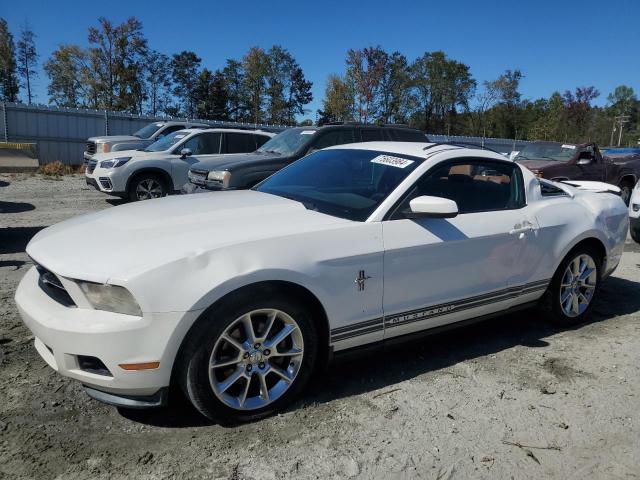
point(147, 186)
point(562, 286)
point(254, 365)
point(635, 234)
point(627, 188)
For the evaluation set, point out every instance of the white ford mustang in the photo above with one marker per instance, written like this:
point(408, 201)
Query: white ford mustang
point(238, 296)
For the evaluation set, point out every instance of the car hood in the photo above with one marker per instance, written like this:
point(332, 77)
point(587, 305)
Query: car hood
point(116, 138)
point(128, 240)
point(537, 164)
point(222, 162)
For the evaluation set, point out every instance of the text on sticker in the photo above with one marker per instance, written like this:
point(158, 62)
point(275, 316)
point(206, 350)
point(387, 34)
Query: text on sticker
point(392, 161)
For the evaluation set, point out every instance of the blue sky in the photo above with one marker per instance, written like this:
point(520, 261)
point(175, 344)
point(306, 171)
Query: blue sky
point(558, 44)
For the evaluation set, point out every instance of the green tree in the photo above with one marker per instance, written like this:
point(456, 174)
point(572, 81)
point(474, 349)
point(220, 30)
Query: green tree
point(236, 96)
point(158, 82)
point(185, 69)
point(69, 77)
point(338, 103)
point(287, 89)
point(394, 94)
point(9, 86)
point(27, 59)
point(117, 54)
point(365, 70)
point(255, 65)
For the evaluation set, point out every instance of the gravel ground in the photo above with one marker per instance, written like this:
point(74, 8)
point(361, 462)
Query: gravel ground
point(510, 398)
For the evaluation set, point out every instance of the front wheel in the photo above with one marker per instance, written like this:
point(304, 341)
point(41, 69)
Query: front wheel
point(626, 189)
point(635, 234)
point(248, 358)
point(574, 286)
point(146, 187)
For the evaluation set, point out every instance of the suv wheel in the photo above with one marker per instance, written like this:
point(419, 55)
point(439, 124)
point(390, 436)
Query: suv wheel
point(574, 286)
point(248, 358)
point(147, 186)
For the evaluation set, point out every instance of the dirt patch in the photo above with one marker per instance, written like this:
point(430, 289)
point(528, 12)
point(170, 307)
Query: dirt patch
point(466, 404)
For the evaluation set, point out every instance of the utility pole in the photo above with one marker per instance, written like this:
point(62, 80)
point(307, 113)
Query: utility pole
point(618, 122)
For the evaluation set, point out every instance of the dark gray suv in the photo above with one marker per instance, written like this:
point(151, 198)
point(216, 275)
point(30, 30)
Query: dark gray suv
point(246, 170)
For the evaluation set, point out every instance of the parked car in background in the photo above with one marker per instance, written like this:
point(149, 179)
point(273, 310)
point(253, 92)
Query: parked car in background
point(162, 167)
point(238, 297)
point(245, 171)
point(140, 139)
point(569, 161)
point(634, 213)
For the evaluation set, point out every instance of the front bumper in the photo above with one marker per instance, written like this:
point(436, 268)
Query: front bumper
point(65, 335)
point(188, 188)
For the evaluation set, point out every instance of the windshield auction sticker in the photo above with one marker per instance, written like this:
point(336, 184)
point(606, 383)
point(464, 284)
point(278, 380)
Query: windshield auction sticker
point(307, 132)
point(572, 147)
point(392, 161)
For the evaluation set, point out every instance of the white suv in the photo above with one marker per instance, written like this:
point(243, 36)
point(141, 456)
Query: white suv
point(162, 167)
point(634, 213)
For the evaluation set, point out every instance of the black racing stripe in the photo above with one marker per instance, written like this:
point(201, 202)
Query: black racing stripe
point(344, 336)
point(371, 326)
point(355, 326)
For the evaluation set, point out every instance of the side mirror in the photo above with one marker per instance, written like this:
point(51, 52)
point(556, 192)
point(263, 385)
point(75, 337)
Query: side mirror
point(433, 207)
point(185, 152)
point(585, 158)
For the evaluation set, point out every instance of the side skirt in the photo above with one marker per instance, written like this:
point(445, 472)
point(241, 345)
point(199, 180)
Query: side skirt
point(363, 350)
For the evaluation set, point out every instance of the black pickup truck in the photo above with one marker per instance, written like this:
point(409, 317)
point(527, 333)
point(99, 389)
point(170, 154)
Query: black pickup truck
point(231, 172)
point(570, 161)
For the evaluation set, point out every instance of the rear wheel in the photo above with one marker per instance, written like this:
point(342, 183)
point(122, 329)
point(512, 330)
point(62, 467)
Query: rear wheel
point(574, 286)
point(248, 358)
point(146, 187)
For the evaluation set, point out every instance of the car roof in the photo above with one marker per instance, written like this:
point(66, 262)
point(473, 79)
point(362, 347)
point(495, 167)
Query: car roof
point(416, 149)
point(232, 130)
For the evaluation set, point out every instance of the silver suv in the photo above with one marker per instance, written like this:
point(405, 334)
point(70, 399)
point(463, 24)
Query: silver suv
point(140, 139)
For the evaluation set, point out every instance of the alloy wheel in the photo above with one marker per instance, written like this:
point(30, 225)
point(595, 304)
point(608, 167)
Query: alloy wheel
point(578, 285)
point(256, 359)
point(148, 188)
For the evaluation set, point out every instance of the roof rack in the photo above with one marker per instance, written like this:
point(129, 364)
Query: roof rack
point(461, 145)
point(403, 125)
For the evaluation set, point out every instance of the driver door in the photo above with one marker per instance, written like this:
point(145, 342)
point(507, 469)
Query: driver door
point(202, 144)
point(444, 270)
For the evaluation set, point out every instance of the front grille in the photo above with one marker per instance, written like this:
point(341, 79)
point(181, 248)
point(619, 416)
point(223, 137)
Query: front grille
point(91, 148)
point(53, 287)
point(91, 166)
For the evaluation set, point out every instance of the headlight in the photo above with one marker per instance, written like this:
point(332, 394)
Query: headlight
point(111, 298)
point(219, 177)
point(102, 148)
point(114, 162)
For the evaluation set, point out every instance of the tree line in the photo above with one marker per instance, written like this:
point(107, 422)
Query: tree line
point(438, 94)
point(117, 70)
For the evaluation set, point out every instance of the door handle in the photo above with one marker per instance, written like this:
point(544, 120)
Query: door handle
point(520, 229)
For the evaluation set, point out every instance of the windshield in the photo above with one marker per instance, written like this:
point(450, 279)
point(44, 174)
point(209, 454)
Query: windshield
point(165, 143)
point(146, 132)
point(347, 183)
point(547, 151)
point(288, 142)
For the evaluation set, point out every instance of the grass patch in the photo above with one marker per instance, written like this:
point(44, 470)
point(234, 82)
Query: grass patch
point(58, 169)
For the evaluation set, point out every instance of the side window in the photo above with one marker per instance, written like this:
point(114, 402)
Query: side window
point(260, 140)
point(239, 143)
point(203, 144)
point(475, 185)
point(168, 130)
point(371, 134)
point(334, 137)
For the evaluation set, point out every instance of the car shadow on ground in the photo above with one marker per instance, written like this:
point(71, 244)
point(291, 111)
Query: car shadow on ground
point(116, 201)
point(16, 207)
point(412, 359)
point(15, 239)
point(4, 184)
